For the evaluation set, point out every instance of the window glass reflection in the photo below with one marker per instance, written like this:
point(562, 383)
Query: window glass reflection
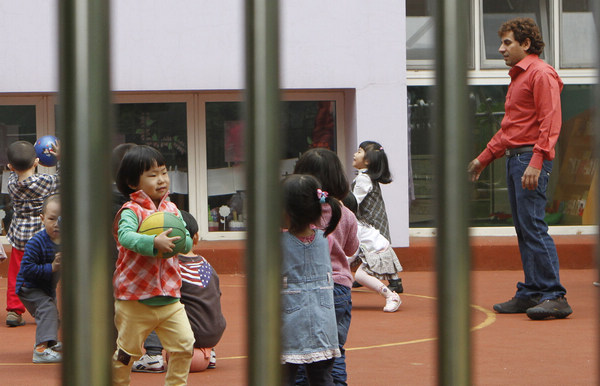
point(577, 21)
point(305, 124)
point(574, 167)
point(496, 12)
point(164, 127)
point(17, 123)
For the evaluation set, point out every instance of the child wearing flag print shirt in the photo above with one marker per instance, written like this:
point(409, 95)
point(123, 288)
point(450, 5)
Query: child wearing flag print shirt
point(201, 295)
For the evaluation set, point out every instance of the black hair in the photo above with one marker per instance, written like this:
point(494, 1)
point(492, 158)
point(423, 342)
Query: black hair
point(302, 203)
point(524, 28)
point(190, 222)
point(48, 200)
point(134, 163)
point(325, 165)
point(377, 163)
point(350, 202)
point(21, 155)
point(117, 155)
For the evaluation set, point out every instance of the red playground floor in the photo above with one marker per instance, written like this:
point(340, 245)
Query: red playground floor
point(397, 348)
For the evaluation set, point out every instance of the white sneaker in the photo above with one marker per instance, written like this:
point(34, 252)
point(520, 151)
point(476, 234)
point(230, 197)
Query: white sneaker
point(212, 363)
point(149, 364)
point(392, 303)
point(46, 356)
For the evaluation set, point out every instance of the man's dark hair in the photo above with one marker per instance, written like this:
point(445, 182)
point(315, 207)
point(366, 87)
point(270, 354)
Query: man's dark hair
point(21, 155)
point(524, 28)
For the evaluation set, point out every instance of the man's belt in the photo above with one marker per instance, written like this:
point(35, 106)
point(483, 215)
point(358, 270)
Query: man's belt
point(519, 150)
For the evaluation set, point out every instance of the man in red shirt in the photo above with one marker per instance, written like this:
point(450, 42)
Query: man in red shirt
point(527, 137)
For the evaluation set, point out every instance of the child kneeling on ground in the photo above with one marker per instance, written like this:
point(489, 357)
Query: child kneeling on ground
point(37, 279)
point(201, 295)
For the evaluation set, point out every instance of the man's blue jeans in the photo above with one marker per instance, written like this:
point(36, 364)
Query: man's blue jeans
point(342, 298)
point(538, 252)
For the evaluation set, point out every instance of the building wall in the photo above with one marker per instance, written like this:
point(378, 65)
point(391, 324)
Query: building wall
point(353, 45)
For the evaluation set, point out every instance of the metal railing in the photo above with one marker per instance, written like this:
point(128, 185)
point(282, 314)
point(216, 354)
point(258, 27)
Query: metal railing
point(85, 130)
point(452, 203)
point(84, 116)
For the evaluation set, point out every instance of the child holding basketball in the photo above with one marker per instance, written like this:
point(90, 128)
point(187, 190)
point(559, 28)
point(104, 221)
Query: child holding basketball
point(27, 191)
point(372, 164)
point(146, 287)
point(201, 295)
point(308, 330)
point(37, 279)
point(325, 165)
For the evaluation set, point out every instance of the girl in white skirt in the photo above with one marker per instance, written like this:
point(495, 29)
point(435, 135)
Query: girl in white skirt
point(377, 260)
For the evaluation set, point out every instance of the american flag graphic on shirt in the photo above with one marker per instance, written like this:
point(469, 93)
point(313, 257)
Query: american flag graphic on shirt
point(197, 273)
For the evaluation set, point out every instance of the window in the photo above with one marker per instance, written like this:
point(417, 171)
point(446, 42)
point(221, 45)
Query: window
point(307, 121)
point(162, 125)
point(577, 35)
point(496, 12)
point(573, 167)
point(420, 35)
point(18, 122)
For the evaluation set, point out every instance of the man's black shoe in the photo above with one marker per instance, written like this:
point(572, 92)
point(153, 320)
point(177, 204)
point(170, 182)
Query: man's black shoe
point(550, 308)
point(515, 305)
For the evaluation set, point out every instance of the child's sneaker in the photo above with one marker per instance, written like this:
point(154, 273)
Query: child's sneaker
point(57, 346)
point(46, 356)
point(392, 303)
point(149, 364)
point(212, 363)
point(14, 320)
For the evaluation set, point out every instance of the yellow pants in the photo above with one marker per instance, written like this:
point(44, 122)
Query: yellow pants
point(134, 321)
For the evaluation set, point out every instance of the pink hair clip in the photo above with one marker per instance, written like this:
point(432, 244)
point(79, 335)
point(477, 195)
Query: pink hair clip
point(322, 196)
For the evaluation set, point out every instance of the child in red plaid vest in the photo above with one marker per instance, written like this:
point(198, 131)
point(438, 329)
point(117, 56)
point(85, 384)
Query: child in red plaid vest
point(147, 287)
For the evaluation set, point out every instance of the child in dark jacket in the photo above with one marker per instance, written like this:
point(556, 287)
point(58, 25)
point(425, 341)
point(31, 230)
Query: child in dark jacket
point(37, 279)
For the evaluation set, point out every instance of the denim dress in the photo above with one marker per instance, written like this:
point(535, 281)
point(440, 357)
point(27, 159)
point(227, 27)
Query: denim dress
point(309, 329)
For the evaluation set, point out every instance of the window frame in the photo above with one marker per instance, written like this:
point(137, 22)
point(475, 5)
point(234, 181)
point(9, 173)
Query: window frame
point(41, 103)
point(201, 185)
point(547, 12)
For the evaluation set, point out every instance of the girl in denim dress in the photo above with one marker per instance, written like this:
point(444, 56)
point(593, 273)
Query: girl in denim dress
point(309, 328)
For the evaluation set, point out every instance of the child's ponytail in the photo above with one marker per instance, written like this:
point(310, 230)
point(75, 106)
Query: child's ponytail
point(336, 211)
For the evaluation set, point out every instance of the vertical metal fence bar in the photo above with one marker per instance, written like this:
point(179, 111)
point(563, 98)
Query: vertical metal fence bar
point(452, 245)
point(85, 130)
point(264, 209)
point(596, 122)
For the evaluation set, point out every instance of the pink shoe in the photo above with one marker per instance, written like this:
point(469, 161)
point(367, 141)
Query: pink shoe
point(392, 303)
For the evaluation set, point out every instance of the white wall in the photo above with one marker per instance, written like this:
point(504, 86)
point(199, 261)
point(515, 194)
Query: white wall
point(198, 45)
point(28, 45)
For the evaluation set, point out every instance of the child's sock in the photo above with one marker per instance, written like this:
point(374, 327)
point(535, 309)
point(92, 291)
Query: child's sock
point(385, 291)
point(41, 347)
point(371, 282)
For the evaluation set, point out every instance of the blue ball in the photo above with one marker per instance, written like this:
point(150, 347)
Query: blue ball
point(42, 148)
